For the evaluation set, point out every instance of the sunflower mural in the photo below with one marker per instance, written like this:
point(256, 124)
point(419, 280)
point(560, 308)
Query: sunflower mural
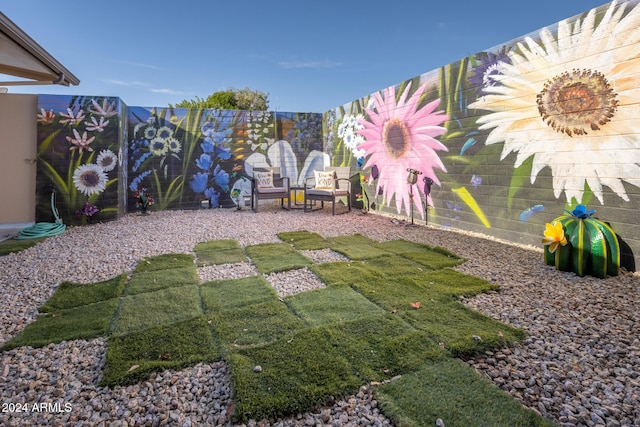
point(78, 156)
point(567, 100)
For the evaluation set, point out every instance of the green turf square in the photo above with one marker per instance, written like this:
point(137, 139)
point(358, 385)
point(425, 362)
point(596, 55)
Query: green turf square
point(222, 295)
point(331, 305)
point(451, 282)
point(155, 280)
point(84, 322)
point(297, 373)
point(304, 240)
point(154, 349)
point(254, 325)
point(69, 294)
point(450, 390)
point(442, 317)
point(381, 346)
point(346, 273)
point(163, 307)
point(393, 294)
point(276, 257)
point(218, 252)
point(455, 325)
point(356, 247)
point(400, 246)
point(433, 258)
point(164, 262)
point(391, 265)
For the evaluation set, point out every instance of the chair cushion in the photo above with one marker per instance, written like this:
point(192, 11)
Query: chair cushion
point(314, 192)
point(269, 190)
point(337, 193)
point(263, 179)
point(324, 180)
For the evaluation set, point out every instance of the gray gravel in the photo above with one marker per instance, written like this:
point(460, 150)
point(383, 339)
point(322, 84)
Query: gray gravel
point(580, 365)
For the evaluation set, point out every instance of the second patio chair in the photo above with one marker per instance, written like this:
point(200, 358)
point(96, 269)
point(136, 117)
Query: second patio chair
point(330, 185)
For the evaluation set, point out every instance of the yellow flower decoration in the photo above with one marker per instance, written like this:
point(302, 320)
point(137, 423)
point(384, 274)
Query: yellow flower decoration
point(554, 236)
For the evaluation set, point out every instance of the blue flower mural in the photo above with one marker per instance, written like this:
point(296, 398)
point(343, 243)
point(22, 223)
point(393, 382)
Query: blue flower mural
point(211, 180)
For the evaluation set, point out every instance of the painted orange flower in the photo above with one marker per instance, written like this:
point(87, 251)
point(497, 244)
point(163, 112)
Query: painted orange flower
point(46, 117)
point(554, 236)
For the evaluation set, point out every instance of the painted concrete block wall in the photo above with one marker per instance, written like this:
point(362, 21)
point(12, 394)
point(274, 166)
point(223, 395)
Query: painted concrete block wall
point(505, 140)
point(80, 156)
point(510, 137)
point(187, 156)
point(101, 151)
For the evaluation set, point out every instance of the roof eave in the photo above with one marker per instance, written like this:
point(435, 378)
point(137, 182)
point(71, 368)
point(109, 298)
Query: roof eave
point(64, 76)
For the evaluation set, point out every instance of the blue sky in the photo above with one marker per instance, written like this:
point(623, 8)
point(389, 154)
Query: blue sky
point(309, 56)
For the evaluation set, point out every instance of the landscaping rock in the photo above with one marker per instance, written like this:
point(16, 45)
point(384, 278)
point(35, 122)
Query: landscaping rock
point(580, 364)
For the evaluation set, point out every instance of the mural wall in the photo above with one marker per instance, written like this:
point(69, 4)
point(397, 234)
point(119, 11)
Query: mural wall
point(80, 155)
point(187, 156)
point(503, 141)
point(97, 153)
point(506, 140)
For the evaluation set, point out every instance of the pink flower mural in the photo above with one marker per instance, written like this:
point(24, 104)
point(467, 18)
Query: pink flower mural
point(400, 134)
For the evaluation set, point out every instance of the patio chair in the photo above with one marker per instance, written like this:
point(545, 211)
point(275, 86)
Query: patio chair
point(329, 185)
point(268, 184)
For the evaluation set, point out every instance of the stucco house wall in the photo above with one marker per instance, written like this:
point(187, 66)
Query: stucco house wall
point(17, 160)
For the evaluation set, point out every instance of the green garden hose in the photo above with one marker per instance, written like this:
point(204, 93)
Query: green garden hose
point(44, 229)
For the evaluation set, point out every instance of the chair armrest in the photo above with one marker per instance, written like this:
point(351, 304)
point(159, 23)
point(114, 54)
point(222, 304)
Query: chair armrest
point(285, 182)
point(309, 182)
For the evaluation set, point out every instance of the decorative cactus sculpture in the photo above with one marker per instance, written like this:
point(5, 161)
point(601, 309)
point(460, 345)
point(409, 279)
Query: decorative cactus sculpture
point(582, 244)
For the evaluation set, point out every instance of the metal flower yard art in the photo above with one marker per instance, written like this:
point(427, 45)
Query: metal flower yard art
point(143, 200)
point(581, 244)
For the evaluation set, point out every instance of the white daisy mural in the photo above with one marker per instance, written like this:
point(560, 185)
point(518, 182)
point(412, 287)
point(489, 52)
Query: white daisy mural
point(90, 179)
point(107, 160)
point(568, 100)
